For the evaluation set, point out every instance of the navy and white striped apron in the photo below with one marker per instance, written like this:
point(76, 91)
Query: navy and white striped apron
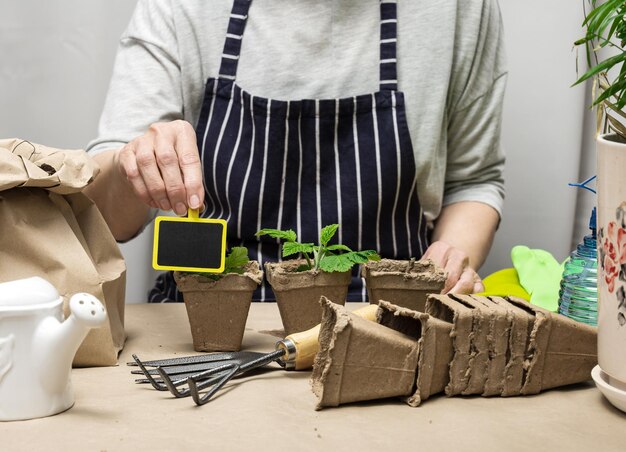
point(304, 164)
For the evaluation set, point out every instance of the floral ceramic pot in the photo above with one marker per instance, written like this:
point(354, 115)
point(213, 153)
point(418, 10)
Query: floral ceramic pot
point(611, 191)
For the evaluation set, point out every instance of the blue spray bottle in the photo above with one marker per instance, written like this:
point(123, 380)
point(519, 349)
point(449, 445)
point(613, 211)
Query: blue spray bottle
point(578, 296)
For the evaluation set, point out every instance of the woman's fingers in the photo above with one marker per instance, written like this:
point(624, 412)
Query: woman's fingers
point(127, 163)
point(163, 167)
point(149, 171)
point(461, 278)
point(469, 282)
point(164, 140)
point(190, 165)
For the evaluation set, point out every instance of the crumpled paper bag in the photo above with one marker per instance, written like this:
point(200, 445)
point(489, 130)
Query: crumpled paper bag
point(48, 228)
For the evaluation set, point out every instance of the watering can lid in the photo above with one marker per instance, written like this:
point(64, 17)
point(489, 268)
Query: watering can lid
point(27, 292)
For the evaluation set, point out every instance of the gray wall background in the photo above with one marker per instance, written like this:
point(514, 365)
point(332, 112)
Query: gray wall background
point(56, 61)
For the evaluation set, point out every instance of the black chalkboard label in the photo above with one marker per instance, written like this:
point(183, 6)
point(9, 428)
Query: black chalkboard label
point(189, 244)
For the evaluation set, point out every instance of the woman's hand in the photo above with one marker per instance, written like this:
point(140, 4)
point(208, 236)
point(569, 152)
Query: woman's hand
point(163, 167)
point(461, 278)
point(462, 237)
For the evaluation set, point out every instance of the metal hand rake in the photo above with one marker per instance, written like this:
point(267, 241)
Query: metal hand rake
point(213, 370)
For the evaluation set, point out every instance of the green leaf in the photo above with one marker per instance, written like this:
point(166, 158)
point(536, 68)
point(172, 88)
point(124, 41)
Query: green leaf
point(617, 21)
point(288, 235)
point(361, 257)
point(372, 255)
point(602, 67)
point(290, 248)
point(336, 263)
point(615, 88)
point(600, 19)
point(327, 233)
point(338, 247)
point(236, 260)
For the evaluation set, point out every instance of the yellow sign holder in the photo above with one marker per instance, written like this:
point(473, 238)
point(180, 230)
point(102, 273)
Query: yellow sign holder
point(189, 244)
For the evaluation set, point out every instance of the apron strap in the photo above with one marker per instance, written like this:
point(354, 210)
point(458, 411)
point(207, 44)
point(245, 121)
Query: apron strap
point(388, 40)
point(234, 35)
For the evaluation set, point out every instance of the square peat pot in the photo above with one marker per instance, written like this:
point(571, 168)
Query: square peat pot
point(298, 293)
point(218, 309)
point(405, 283)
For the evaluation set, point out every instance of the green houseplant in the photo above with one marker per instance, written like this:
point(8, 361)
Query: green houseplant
point(604, 42)
point(606, 33)
point(324, 269)
point(218, 303)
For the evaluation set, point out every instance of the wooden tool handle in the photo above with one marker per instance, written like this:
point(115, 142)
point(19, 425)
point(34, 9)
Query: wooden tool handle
point(301, 348)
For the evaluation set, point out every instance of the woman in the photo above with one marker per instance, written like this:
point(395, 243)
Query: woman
point(384, 118)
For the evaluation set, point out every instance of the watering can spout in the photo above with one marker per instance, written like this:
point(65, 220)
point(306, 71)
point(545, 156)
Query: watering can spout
point(56, 342)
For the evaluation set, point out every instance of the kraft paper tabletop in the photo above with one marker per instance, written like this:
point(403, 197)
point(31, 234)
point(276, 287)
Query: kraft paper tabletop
point(274, 410)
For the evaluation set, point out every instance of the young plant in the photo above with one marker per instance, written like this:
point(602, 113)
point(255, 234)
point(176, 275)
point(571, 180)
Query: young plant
point(606, 29)
point(235, 262)
point(329, 258)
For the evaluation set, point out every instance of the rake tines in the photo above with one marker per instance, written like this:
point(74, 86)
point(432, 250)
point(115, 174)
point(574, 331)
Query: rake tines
point(200, 373)
point(217, 375)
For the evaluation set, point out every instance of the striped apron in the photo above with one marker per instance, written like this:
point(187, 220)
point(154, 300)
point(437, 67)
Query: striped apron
point(304, 164)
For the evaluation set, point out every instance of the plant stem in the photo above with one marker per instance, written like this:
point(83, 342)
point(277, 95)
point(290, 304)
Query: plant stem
point(317, 257)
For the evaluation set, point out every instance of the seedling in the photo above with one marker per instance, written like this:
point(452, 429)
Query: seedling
point(235, 262)
point(329, 258)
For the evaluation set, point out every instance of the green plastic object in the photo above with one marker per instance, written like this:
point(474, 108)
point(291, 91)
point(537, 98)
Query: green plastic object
point(504, 283)
point(540, 275)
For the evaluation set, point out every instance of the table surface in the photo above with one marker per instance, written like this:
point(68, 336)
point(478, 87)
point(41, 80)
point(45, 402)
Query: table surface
point(275, 410)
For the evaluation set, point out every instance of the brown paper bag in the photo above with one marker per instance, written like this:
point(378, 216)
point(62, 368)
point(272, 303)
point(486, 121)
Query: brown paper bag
point(48, 228)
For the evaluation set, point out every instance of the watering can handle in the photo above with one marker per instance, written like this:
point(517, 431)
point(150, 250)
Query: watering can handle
point(301, 348)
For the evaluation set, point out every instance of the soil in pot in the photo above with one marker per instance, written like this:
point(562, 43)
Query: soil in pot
point(298, 293)
point(218, 309)
point(405, 283)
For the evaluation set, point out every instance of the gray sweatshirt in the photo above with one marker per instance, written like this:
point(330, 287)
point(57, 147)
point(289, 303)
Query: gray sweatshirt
point(451, 67)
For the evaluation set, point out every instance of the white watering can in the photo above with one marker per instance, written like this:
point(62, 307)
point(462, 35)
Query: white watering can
point(37, 347)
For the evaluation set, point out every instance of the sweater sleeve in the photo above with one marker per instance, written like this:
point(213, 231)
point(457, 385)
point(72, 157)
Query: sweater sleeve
point(475, 159)
point(146, 83)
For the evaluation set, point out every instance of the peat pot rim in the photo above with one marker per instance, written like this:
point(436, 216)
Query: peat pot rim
point(252, 277)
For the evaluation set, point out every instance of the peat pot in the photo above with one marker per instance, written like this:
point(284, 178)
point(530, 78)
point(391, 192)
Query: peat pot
point(218, 309)
point(405, 283)
point(298, 293)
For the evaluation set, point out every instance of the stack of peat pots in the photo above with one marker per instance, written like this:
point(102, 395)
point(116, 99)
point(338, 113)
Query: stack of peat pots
point(507, 346)
point(460, 345)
